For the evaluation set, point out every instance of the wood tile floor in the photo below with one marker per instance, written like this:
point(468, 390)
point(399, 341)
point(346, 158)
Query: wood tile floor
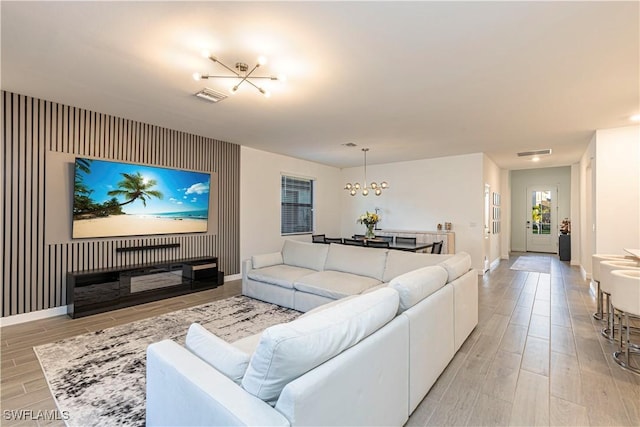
point(536, 357)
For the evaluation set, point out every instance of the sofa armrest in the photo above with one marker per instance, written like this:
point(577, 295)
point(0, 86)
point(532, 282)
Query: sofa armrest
point(184, 390)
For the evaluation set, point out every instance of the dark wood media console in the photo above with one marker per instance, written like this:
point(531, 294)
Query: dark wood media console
point(97, 291)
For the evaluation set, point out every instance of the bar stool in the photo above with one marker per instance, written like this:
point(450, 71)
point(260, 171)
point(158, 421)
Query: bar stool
point(596, 259)
point(626, 299)
point(606, 278)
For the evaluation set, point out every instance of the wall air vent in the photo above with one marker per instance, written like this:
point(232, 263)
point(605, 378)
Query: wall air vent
point(534, 153)
point(210, 95)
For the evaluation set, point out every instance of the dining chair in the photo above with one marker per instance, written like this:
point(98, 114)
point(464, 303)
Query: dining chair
point(406, 240)
point(317, 238)
point(377, 244)
point(333, 239)
point(353, 242)
point(437, 247)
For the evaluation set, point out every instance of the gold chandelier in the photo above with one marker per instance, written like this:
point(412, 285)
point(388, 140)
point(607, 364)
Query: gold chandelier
point(373, 186)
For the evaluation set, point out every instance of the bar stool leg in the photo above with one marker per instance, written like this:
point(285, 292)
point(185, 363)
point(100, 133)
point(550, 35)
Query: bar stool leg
point(609, 330)
point(598, 315)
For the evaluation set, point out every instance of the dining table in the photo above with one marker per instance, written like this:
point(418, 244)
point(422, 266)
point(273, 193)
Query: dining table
point(408, 247)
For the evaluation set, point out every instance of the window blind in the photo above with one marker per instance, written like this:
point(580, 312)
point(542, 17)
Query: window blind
point(297, 205)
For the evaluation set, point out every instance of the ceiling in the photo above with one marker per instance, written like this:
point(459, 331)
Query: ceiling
point(409, 80)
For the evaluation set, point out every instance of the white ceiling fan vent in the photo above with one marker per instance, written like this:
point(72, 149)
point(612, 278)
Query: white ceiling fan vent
point(210, 95)
point(534, 153)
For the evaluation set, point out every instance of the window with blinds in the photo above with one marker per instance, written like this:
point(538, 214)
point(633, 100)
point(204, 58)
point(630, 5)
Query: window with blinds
point(297, 205)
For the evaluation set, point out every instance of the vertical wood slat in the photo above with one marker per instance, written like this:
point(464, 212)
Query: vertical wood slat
point(33, 272)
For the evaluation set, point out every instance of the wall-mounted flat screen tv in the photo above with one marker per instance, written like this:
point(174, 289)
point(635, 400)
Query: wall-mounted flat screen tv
point(124, 199)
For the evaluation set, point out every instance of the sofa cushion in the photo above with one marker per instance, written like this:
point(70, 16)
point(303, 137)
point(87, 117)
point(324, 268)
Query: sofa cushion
point(334, 284)
point(416, 285)
point(457, 265)
point(280, 275)
point(289, 350)
point(305, 255)
point(367, 262)
point(400, 262)
point(266, 260)
point(227, 359)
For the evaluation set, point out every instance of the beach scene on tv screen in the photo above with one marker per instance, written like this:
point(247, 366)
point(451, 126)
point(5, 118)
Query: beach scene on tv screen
point(123, 199)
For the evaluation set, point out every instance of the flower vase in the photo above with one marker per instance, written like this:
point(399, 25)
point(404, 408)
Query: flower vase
point(369, 234)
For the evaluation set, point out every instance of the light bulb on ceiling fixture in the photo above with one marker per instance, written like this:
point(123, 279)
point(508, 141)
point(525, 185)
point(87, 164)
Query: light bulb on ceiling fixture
point(635, 118)
point(262, 60)
point(233, 90)
point(205, 53)
point(197, 76)
point(535, 159)
point(365, 191)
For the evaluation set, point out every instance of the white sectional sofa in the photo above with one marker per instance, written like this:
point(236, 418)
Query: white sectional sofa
point(366, 359)
point(305, 275)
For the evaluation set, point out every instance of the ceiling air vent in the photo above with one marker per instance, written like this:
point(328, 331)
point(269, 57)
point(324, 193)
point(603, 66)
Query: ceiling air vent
point(534, 153)
point(210, 95)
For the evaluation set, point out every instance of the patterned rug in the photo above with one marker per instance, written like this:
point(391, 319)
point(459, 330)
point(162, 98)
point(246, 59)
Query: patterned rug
point(99, 377)
point(538, 264)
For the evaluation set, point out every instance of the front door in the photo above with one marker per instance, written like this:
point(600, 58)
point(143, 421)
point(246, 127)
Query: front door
point(542, 233)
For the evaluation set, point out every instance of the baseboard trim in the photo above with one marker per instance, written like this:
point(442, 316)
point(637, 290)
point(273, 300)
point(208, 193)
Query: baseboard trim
point(233, 277)
point(494, 264)
point(34, 315)
point(584, 274)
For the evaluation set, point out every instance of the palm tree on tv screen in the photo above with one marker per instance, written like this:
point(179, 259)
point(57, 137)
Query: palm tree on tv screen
point(134, 187)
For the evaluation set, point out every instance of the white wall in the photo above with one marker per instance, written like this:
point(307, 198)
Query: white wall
point(576, 216)
point(617, 189)
point(422, 194)
point(260, 199)
point(491, 173)
point(587, 207)
point(505, 202)
point(520, 180)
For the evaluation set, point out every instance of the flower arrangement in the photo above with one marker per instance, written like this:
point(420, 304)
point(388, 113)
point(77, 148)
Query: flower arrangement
point(369, 220)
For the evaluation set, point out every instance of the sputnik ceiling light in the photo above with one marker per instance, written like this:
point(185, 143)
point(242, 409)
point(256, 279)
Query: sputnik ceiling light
point(377, 189)
point(241, 72)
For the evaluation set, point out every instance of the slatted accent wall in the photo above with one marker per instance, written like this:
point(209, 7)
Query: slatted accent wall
point(33, 272)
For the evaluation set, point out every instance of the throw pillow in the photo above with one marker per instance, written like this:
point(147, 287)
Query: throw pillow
point(218, 353)
point(266, 260)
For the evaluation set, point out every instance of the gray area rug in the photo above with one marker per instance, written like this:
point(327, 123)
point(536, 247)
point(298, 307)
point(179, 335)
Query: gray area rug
point(538, 264)
point(99, 377)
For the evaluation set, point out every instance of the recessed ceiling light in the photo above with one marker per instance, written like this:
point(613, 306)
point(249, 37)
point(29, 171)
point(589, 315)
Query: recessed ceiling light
point(635, 118)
